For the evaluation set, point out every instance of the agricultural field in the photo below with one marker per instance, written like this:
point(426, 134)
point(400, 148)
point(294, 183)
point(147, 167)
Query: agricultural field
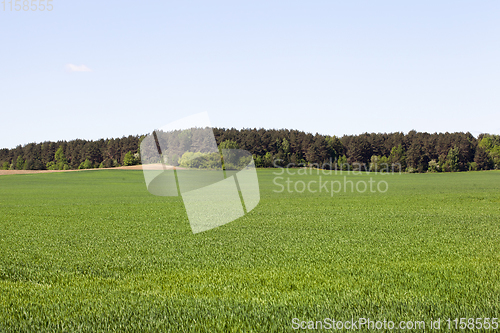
point(94, 251)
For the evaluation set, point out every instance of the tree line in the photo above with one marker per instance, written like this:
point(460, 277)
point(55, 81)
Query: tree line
point(411, 152)
point(74, 154)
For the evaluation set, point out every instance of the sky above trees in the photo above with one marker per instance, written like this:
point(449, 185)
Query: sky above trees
point(94, 69)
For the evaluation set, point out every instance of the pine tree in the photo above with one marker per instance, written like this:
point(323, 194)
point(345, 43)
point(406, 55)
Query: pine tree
point(482, 159)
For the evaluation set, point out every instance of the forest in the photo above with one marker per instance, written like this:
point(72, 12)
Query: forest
point(411, 152)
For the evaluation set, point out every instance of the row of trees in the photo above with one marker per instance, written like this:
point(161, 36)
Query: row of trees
point(63, 155)
point(412, 152)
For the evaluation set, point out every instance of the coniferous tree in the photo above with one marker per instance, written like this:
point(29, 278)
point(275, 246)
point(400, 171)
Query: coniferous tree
point(482, 159)
point(413, 151)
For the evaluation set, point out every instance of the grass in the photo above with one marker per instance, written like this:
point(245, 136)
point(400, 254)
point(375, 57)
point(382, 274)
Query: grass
point(94, 251)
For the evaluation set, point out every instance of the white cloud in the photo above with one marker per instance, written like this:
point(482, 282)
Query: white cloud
point(76, 68)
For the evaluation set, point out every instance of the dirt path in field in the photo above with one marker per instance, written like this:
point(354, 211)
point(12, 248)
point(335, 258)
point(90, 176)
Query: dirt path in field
point(133, 167)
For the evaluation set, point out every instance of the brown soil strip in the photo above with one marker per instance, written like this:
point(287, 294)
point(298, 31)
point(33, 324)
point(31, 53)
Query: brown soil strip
point(24, 172)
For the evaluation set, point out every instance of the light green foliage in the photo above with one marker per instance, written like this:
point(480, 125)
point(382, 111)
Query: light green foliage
point(267, 160)
point(258, 161)
point(491, 143)
point(86, 165)
point(342, 163)
point(285, 147)
point(374, 163)
point(5, 166)
point(95, 252)
point(486, 143)
point(51, 166)
point(61, 162)
point(229, 144)
point(381, 164)
point(452, 159)
point(495, 156)
point(398, 158)
point(60, 157)
point(190, 159)
point(129, 159)
point(137, 157)
point(385, 165)
point(20, 163)
point(433, 166)
point(200, 160)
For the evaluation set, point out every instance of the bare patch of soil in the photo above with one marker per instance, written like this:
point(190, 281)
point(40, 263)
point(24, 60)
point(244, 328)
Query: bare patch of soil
point(133, 167)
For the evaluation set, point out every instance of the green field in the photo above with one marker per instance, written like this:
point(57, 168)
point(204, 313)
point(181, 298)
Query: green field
point(94, 251)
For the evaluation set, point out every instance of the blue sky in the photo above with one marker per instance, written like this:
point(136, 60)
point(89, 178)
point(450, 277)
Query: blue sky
point(97, 69)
